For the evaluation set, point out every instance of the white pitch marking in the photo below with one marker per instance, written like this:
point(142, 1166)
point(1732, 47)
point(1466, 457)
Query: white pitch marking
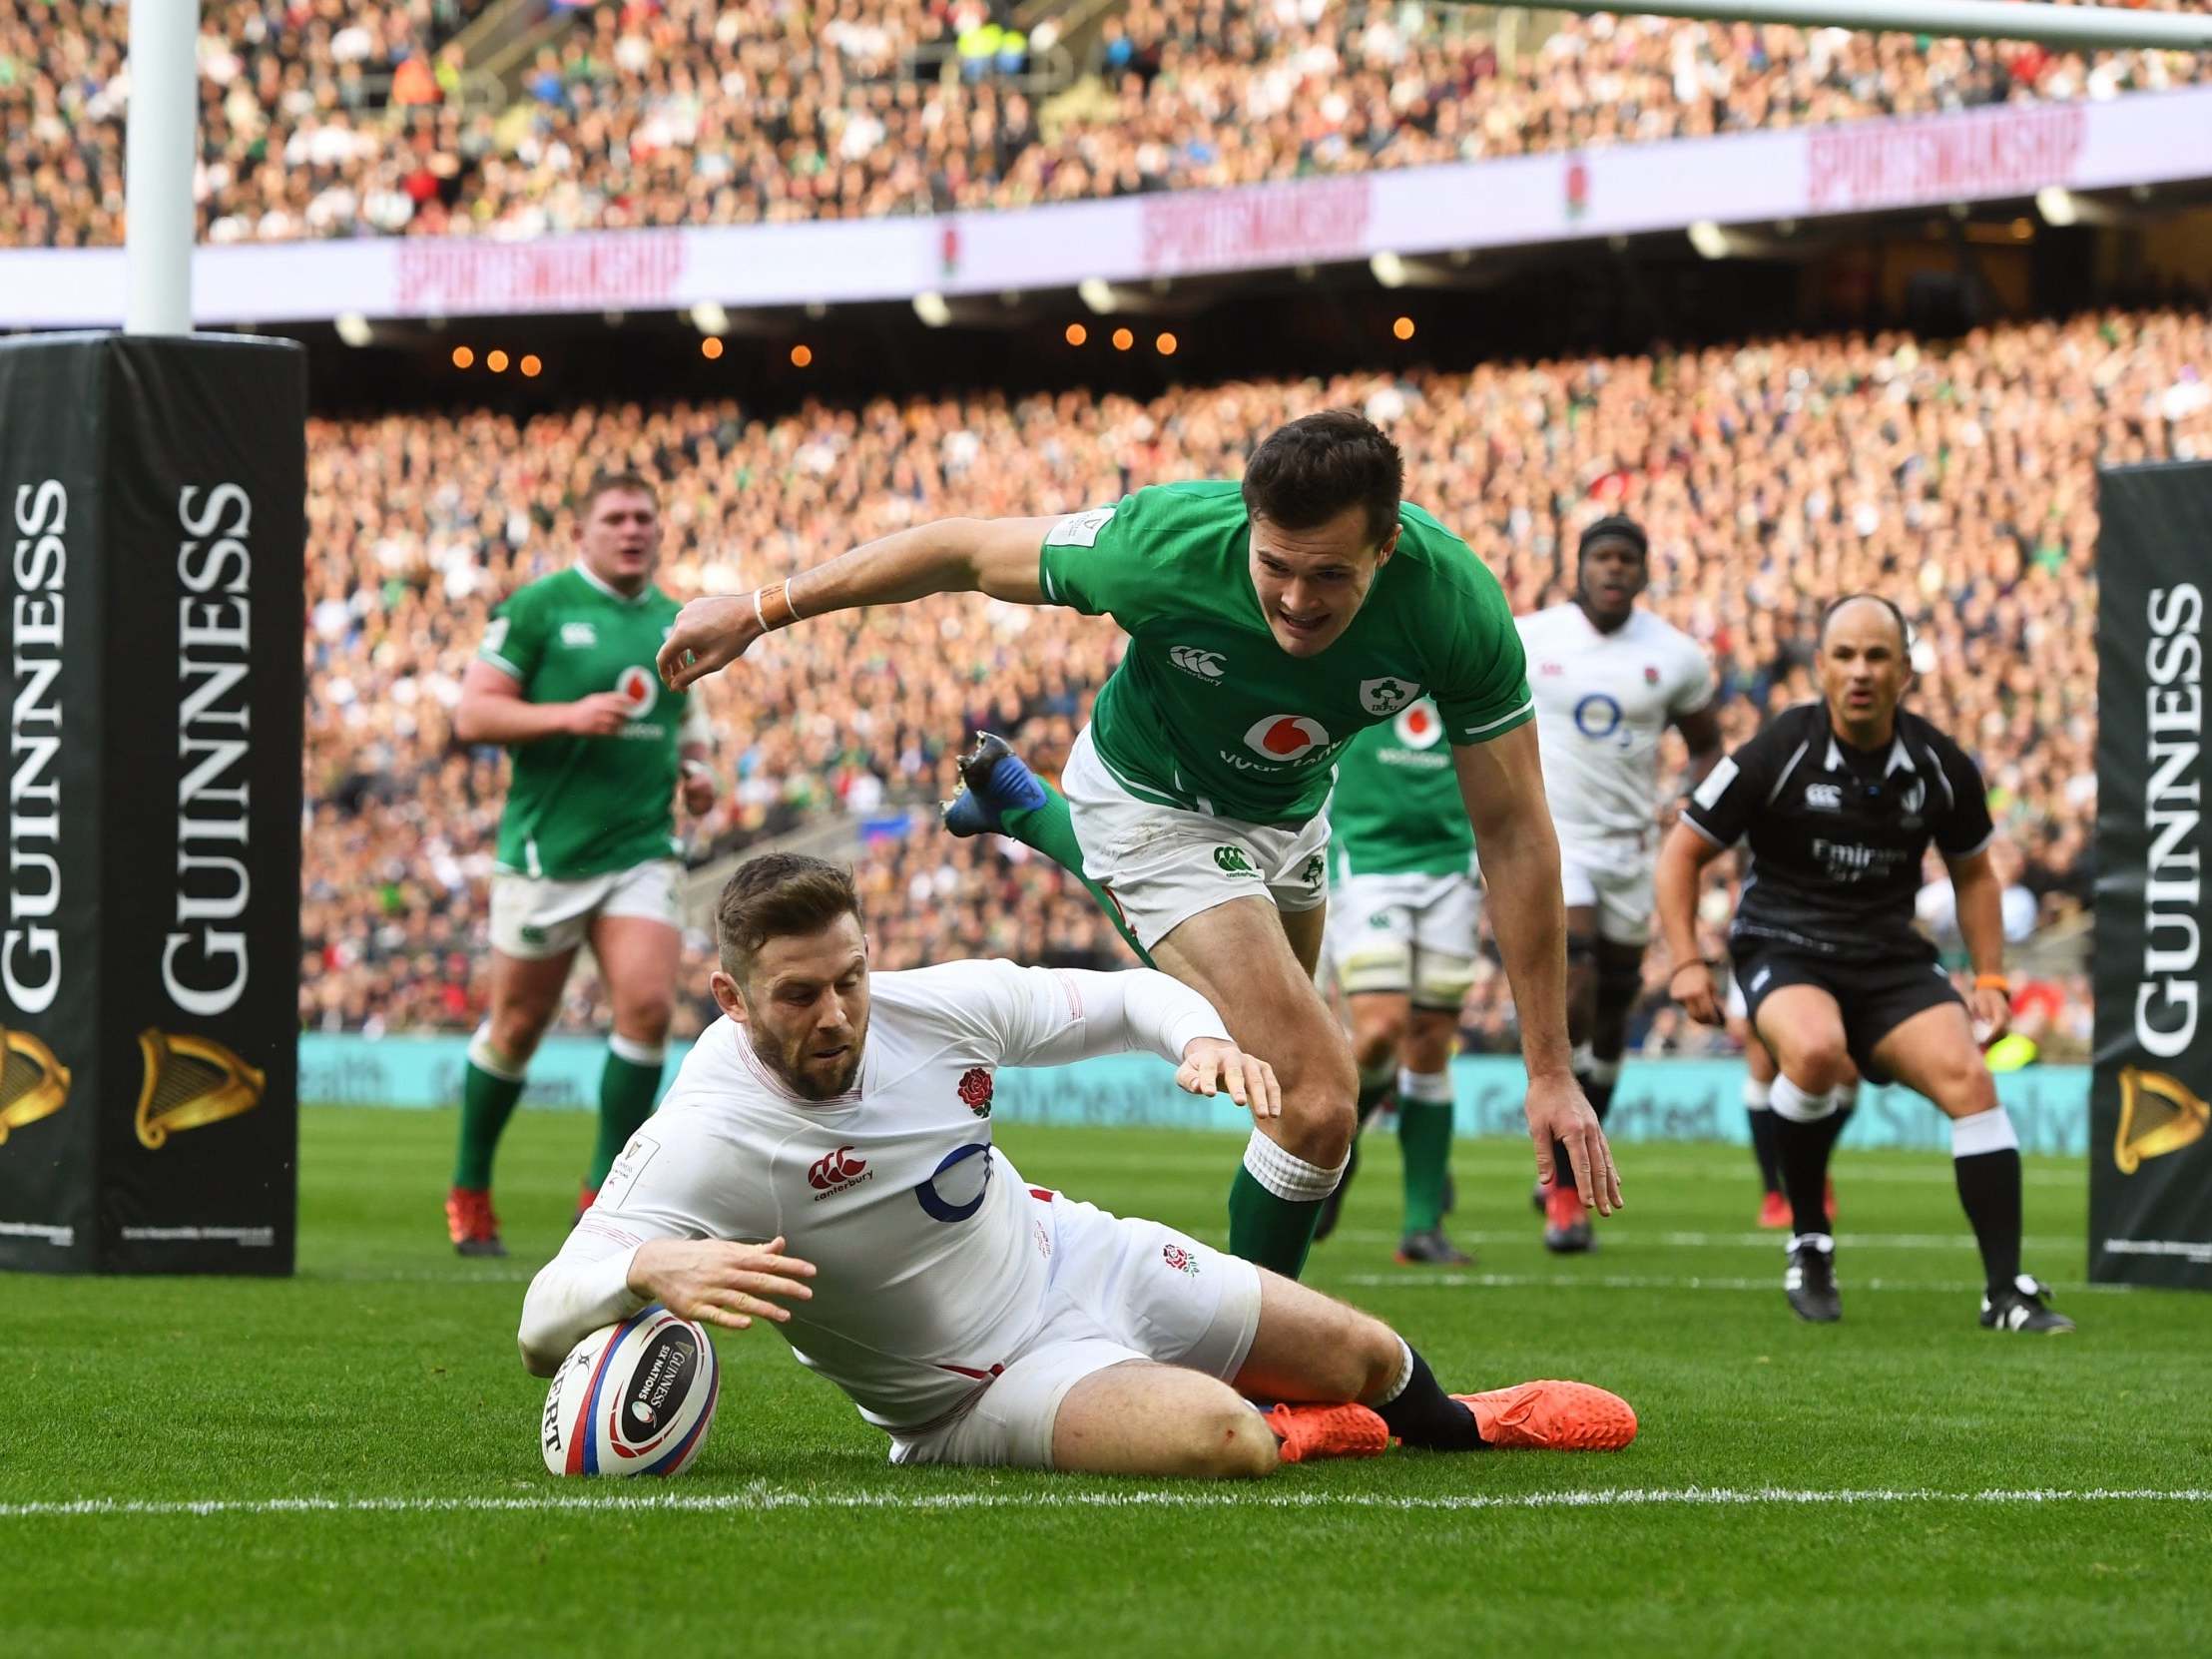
point(1775, 1241)
point(1405, 1279)
point(761, 1498)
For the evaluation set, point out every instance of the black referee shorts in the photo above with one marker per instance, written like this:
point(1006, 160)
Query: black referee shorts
point(1876, 997)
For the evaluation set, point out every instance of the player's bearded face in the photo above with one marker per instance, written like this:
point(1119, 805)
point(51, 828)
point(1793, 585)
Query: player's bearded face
point(622, 537)
point(805, 1007)
point(1311, 583)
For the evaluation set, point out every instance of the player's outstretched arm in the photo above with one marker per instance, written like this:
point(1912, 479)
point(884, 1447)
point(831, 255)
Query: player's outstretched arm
point(1683, 857)
point(996, 556)
point(1501, 782)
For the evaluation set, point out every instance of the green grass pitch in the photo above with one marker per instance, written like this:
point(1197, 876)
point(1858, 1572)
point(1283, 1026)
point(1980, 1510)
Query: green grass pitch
point(1901, 1482)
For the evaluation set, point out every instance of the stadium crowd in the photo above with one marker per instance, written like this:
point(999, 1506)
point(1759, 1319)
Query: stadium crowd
point(1957, 480)
point(323, 117)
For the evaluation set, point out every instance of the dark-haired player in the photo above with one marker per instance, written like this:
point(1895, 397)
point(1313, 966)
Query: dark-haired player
point(1839, 800)
point(1609, 677)
point(1268, 623)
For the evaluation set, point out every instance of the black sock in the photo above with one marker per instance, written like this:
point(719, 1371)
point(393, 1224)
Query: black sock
point(1801, 1150)
point(1990, 1188)
point(1762, 1147)
point(1600, 1097)
point(1374, 1095)
point(1424, 1415)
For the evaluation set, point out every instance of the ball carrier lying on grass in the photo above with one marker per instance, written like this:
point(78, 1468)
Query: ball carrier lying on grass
point(1267, 621)
point(824, 1162)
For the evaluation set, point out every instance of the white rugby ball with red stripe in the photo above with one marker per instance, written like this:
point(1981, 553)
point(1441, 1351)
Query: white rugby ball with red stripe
point(634, 1398)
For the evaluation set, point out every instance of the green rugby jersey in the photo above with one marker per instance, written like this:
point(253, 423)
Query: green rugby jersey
point(580, 807)
point(1209, 714)
point(1397, 809)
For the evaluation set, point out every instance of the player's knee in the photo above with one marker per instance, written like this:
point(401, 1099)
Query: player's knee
point(1373, 1357)
point(1376, 1038)
point(1230, 1441)
point(644, 1020)
point(1966, 1087)
point(515, 1035)
point(1818, 1063)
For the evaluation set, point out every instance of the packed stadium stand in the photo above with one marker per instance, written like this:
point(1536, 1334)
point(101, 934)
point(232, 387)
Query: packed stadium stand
point(1955, 476)
point(322, 118)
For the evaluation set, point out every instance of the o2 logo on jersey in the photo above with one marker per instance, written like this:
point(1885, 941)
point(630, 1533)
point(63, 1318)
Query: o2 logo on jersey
point(1420, 726)
point(1597, 717)
point(956, 1187)
point(635, 687)
point(1287, 736)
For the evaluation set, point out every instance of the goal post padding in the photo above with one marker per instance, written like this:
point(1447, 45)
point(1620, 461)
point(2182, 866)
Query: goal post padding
point(155, 489)
point(2150, 1159)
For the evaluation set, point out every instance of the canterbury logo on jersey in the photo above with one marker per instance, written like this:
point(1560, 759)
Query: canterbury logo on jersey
point(579, 634)
point(1203, 665)
point(837, 1172)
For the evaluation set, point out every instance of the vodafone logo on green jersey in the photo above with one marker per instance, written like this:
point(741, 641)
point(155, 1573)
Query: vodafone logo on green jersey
point(1418, 726)
point(636, 687)
point(1287, 738)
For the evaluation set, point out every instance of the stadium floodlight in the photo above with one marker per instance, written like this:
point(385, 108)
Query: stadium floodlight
point(933, 310)
point(353, 329)
point(1389, 268)
point(1709, 239)
point(710, 319)
point(1098, 294)
point(2112, 26)
point(2057, 205)
point(160, 141)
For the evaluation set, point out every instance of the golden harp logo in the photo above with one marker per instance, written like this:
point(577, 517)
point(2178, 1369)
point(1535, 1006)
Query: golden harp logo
point(191, 1082)
point(2158, 1115)
point(33, 1085)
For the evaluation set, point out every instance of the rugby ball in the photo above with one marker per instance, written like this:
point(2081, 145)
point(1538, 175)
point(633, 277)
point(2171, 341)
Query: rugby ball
point(633, 1398)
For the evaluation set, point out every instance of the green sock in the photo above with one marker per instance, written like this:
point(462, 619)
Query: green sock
point(1424, 1137)
point(626, 1091)
point(487, 1102)
point(1270, 1232)
point(1050, 829)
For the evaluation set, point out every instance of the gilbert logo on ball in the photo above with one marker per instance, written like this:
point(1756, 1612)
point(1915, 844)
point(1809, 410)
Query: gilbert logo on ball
point(633, 1398)
point(635, 687)
point(1287, 736)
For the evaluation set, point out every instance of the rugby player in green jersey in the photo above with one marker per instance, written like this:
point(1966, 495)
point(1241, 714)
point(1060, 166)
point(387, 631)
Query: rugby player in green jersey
point(1403, 905)
point(587, 845)
point(1268, 624)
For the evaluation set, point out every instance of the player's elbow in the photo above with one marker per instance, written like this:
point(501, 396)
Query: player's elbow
point(468, 720)
point(543, 1345)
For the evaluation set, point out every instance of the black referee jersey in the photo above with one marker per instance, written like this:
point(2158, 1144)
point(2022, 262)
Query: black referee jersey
point(1837, 833)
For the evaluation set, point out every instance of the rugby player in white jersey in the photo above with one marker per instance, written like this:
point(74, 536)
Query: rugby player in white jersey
point(1609, 678)
point(823, 1162)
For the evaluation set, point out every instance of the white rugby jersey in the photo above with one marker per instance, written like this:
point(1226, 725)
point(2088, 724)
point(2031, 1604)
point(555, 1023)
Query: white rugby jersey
point(933, 1255)
point(1603, 701)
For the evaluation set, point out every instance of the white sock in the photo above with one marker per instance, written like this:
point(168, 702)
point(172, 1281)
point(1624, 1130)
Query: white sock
point(1989, 1130)
point(1405, 1374)
point(1601, 1071)
point(637, 1053)
point(1289, 1176)
point(1755, 1095)
point(486, 1058)
point(1432, 1086)
point(1800, 1105)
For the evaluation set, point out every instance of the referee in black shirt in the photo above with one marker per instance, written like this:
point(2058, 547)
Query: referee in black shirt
point(1839, 800)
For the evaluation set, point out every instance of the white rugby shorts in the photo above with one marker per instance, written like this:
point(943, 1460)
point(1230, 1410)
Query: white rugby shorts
point(1164, 865)
point(533, 917)
point(1616, 878)
point(1409, 935)
point(1122, 1288)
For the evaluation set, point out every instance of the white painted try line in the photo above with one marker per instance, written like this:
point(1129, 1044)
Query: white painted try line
point(763, 1498)
point(1408, 1278)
